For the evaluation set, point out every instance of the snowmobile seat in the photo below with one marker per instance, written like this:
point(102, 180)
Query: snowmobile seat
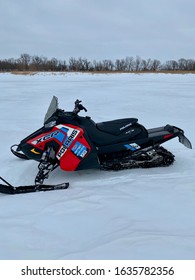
point(112, 132)
point(116, 127)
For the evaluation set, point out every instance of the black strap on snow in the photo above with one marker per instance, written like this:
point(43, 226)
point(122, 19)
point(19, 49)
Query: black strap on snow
point(8, 188)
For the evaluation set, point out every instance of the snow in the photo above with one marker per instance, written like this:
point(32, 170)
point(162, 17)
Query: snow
point(131, 214)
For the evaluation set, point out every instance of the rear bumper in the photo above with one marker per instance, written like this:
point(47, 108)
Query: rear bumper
point(167, 132)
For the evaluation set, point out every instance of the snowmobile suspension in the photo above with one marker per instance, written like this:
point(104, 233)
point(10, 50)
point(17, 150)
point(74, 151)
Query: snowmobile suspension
point(157, 157)
point(46, 166)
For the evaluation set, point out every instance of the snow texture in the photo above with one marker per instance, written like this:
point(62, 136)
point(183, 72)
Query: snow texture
point(130, 214)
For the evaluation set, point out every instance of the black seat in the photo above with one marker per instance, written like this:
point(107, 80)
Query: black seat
point(116, 127)
point(111, 132)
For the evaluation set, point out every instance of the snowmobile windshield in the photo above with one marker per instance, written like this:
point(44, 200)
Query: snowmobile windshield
point(52, 108)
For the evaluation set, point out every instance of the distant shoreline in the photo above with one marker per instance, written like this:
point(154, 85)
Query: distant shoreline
point(100, 72)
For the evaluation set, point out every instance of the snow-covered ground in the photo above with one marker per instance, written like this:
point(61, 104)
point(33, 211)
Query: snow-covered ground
point(131, 214)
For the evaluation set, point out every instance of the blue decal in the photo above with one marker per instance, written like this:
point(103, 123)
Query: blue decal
point(129, 147)
point(64, 129)
point(62, 133)
point(79, 149)
point(60, 136)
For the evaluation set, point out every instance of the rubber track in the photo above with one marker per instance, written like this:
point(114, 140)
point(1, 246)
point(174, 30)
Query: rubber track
point(161, 158)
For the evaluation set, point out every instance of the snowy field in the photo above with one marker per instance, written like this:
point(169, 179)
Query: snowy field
point(131, 214)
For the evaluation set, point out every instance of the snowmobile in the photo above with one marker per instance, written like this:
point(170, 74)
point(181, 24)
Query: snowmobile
point(75, 143)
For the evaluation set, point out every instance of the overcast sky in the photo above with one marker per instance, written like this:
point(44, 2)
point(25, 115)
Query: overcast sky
point(98, 29)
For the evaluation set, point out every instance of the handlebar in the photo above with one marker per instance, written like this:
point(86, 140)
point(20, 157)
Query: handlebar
point(78, 107)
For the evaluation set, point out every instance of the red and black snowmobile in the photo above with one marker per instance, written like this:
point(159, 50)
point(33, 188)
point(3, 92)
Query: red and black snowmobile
point(76, 143)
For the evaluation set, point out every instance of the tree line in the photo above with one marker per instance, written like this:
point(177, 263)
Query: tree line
point(27, 62)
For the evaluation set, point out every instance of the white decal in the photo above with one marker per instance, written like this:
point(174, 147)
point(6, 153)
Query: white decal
point(129, 131)
point(134, 145)
point(127, 125)
point(45, 137)
point(71, 135)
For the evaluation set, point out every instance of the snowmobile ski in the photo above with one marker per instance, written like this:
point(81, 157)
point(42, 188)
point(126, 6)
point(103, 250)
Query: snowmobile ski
point(7, 188)
point(16, 153)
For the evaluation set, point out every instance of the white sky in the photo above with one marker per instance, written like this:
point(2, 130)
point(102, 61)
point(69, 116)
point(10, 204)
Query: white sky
point(98, 29)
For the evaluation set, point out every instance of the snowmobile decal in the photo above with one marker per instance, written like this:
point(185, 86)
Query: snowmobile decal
point(71, 135)
point(79, 150)
point(35, 152)
point(62, 136)
point(130, 131)
point(125, 126)
point(45, 137)
point(132, 146)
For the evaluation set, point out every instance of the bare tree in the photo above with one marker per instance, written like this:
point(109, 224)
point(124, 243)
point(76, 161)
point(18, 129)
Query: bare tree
point(146, 64)
point(171, 65)
point(24, 61)
point(130, 63)
point(138, 63)
point(39, 63)
point(120, 65)
point(107, 65)
point(73, 64)
point(182, 63)
point(155, 65)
